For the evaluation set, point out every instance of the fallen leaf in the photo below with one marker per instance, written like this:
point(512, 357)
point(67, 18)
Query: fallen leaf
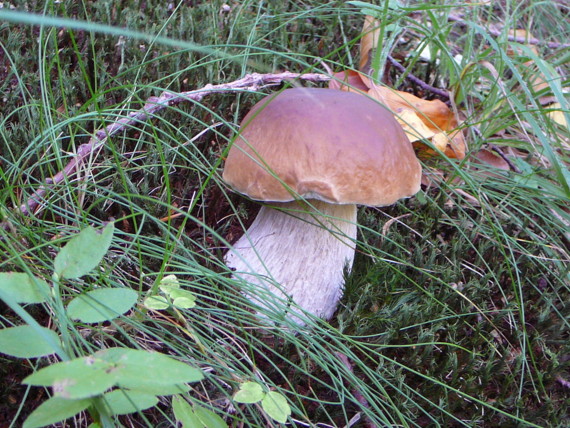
point(421, 119)
point(487, 157)
point(487, 164)
point(368, 43)
point(414, 127)
point(435, 113)
point(348, 80)
point(537, 80)
point(442, 141)
point(557, 114)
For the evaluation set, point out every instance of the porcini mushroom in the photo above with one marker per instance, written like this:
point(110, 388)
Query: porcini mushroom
point(312, 155)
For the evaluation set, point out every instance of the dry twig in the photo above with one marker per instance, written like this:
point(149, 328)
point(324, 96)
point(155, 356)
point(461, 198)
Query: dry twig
point(505, 158)
point(250, 83)
point(513, 38)
point(368, 423)
point(425, 86)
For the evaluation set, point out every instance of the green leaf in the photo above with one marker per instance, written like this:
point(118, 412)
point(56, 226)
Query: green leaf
point(184, 303)
point(27, 342)
point(162, 390)
point(184, 413)
point(156, 303)
point(249, 392)
point(79, 378)
point(102, 304)
point(208, 418)
point(83, 252)
point(276, 406)
point(123, 402)
point(24, 288)
point(168, 284)
point(183, 299)
point(141, 370)
point(196, 416)
point(55, 410)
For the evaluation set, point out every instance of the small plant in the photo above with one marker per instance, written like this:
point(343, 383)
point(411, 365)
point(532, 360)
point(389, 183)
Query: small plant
point(114, 381)
point(170, 294)
point(273, 403)
point(195, 416)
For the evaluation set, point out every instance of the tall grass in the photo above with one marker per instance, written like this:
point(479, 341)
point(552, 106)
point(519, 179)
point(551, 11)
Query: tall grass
point(455, 313)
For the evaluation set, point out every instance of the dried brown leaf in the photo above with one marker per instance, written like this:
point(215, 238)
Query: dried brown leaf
point(433, 121)
point(433, 113)
point(369, 43)
point(421, 119)
point(486, 157)
point(348, 80)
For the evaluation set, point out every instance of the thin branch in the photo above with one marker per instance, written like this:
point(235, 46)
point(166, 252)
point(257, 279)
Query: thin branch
point(250, 83)
point(417, 80)
point(505, 158)
point(368, 423)
point(513, 38)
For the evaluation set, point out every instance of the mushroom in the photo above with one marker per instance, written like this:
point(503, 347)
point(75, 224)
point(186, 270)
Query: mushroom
point(312, 155)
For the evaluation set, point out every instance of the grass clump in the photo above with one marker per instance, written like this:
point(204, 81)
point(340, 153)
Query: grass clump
point(455, 313)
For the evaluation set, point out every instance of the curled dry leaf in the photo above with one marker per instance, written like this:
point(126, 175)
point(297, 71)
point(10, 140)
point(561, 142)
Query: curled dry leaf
point(348, 80)
point(368, 43)
point(421, 119)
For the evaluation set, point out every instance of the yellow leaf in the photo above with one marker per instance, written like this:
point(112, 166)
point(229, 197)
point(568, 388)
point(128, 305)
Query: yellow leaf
point(440, 141)
point(434, 115)
point(557, 114)
point(413, 126)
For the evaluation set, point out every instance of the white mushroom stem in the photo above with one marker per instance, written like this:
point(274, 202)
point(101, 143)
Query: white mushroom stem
point(299, 253)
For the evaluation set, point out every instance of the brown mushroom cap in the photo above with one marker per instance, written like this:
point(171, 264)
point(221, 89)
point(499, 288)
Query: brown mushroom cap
point(336, 146)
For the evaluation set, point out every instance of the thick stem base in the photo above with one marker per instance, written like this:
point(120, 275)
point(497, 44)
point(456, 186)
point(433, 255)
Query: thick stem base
point(298, 254)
